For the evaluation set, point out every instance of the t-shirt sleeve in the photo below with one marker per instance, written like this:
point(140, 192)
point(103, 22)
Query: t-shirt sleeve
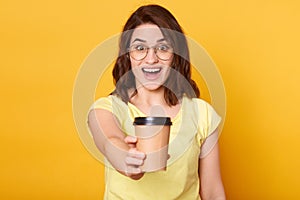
point(209, 121)
point(114, 105)
point(103, 103)
point(213, 119)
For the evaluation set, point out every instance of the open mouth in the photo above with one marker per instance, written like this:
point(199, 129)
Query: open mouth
point(152, 70)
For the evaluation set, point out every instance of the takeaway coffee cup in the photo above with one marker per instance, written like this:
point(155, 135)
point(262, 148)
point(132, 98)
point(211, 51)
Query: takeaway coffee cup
point(153, 139)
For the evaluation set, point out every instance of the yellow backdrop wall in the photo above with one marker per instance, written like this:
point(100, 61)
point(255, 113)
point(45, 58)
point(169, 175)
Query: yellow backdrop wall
point(254, 43)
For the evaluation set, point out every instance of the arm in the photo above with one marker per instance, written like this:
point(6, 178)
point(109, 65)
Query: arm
point(211, 186)
point(113, 143)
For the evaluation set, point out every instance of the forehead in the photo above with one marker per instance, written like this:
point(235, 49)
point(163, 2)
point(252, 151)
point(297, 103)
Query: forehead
point(147, 32)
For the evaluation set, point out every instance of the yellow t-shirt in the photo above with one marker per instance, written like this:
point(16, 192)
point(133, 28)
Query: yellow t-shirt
point(195, 121)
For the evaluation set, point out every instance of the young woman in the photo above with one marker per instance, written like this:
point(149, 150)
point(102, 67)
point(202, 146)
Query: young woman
point(152, 75)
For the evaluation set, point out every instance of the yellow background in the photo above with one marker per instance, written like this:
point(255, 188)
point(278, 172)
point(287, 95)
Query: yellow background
point(255, 45)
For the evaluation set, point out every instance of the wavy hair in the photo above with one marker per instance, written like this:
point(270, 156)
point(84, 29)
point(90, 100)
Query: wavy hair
point(179, 82)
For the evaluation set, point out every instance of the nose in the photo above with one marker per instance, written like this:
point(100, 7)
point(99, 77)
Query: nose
point(151, 56)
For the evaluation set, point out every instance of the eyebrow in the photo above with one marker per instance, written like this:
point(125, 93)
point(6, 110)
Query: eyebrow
point(160, 40)
point(140, 40)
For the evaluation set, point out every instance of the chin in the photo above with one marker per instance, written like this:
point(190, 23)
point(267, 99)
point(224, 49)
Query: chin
point(152, 86)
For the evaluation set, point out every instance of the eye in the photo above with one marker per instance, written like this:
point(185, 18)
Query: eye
point(139, 47)
point(163, 47)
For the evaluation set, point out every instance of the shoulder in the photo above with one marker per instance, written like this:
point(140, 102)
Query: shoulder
point(107, 102)
point(199, 101)
point(113, 104)
point(203, 111)
point(197, 104)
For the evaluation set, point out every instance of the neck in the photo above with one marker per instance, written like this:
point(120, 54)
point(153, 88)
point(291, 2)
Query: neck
point(152, 103)
point(149, 97)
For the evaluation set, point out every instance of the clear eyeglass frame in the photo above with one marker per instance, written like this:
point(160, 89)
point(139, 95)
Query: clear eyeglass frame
point(139, 51)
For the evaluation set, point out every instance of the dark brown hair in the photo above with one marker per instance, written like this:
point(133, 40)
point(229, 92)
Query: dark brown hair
point(177, 84)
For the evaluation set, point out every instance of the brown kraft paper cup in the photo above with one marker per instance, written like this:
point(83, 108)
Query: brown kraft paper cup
point(153, 139)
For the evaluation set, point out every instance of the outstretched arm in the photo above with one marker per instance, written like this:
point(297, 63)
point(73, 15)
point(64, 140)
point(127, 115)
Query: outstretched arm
point(113, 143)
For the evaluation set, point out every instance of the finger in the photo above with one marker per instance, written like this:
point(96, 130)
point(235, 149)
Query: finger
point(136, 154)
point(134, 161)
point(132, 171)
point(130, 139)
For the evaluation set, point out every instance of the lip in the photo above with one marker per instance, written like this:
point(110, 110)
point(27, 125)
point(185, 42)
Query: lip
point(152, 73)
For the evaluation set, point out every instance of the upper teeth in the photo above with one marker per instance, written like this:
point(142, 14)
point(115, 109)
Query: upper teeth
point(151, 70)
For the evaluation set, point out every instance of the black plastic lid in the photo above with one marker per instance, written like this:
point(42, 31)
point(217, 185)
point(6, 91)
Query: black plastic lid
point(166, 121)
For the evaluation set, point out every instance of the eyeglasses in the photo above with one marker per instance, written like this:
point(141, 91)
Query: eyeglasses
point(162, 51)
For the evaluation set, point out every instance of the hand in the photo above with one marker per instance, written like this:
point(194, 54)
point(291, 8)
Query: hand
point(130, 141)
point(134, 159)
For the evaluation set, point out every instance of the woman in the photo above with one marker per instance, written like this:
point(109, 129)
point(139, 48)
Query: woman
point(153, 77)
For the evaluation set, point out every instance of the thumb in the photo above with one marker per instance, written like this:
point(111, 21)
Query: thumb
point(130, 139)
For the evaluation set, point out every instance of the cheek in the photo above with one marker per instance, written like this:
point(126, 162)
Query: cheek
point(134, 63)
point(168, 63)
point(134, 67)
